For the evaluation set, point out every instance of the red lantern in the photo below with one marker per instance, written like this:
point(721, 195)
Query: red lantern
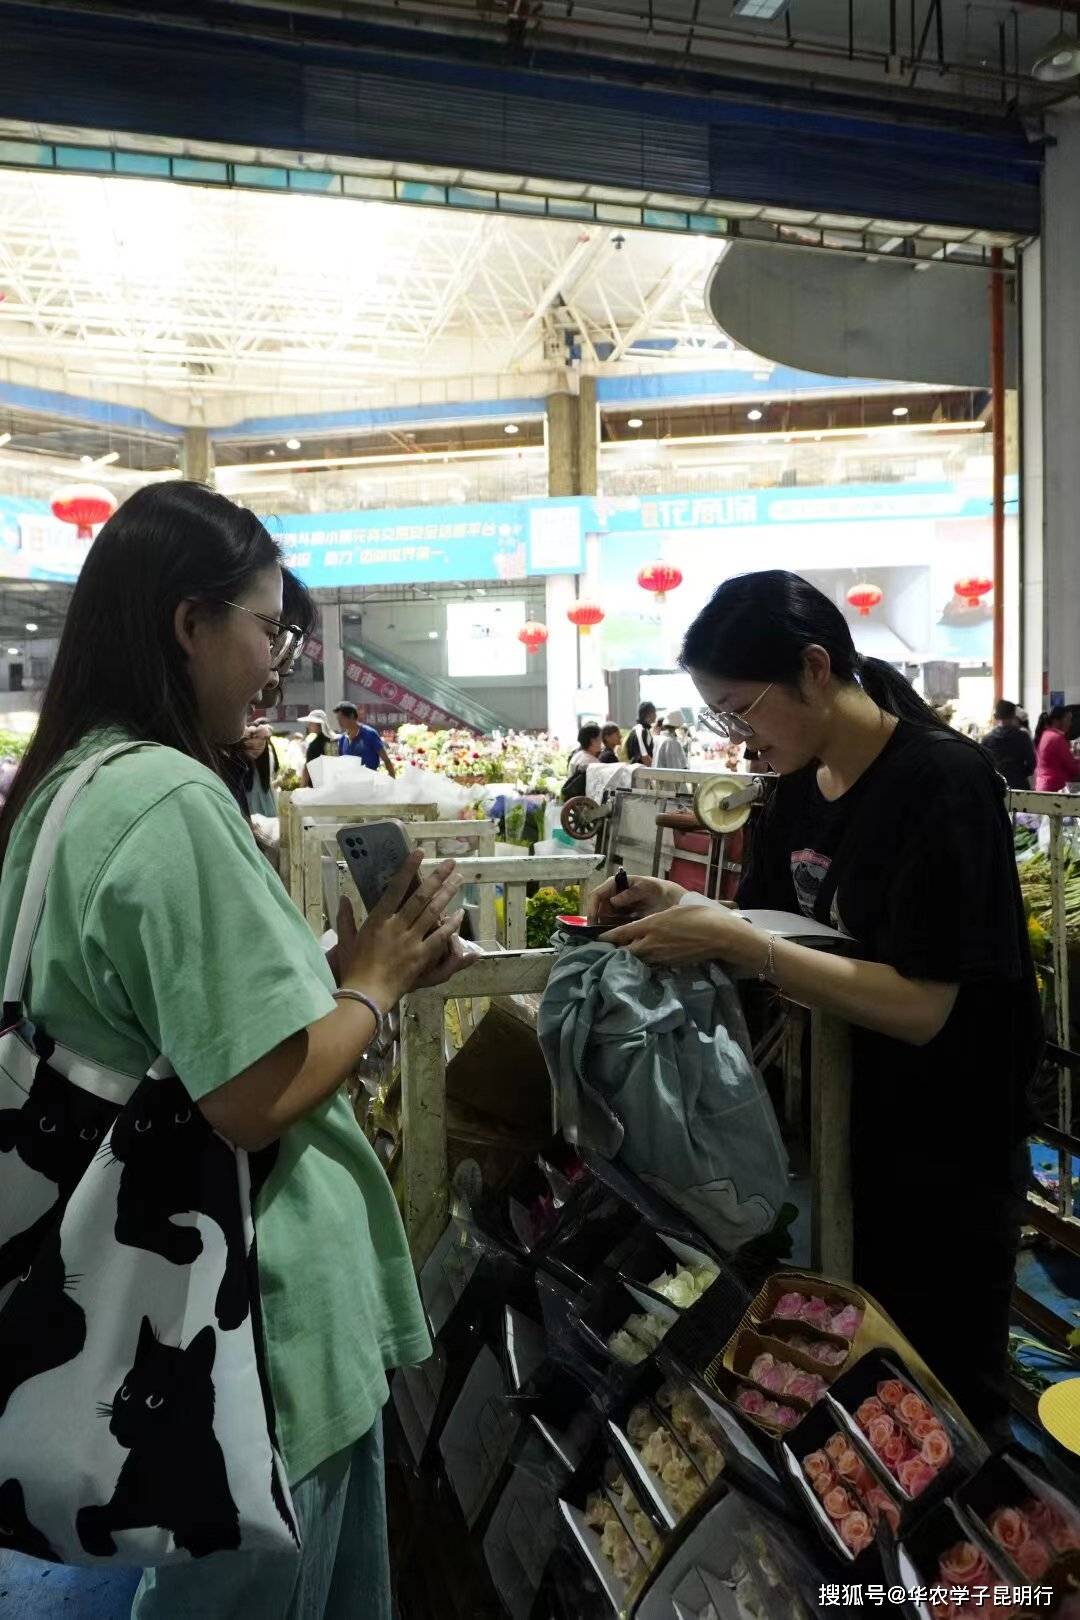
point(660, 577)
point(533, 635)
point(974, 589)
point(864, 597)
point(85, 505)
point(585, 615)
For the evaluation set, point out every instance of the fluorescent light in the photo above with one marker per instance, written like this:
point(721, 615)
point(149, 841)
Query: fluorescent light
point(900, 410)
point(5, 438)
point(760, 10)
point(292, 444)
point(1059, 60)
point(107, 461)
point(31, 628)
point(635, 422)
point(87, 461)
point(511, 428)
point(433, 635)
point(753, 416)
point(13, 652)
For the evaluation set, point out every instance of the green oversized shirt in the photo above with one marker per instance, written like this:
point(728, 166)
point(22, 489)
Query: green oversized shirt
point(165, 931)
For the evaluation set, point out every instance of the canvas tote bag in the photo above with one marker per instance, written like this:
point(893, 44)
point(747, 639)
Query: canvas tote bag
point(135, 1420)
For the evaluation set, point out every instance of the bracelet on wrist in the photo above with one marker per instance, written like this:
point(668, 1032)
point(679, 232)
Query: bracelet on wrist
point(348, 994)
point(767, 971)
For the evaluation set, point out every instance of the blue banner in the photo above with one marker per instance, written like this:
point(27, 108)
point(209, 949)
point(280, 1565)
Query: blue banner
point(436, 544)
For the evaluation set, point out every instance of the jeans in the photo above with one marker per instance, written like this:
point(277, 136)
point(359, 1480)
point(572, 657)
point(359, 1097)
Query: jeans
point(343, 1572)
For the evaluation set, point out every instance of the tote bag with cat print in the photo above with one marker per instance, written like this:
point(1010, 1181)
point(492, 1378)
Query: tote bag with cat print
point(135, 1423)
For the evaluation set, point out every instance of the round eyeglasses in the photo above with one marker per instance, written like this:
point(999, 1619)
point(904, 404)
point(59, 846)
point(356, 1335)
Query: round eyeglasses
point(730, 724)
point(286, 640)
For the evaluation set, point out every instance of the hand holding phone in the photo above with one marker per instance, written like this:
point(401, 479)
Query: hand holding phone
point(375, 852)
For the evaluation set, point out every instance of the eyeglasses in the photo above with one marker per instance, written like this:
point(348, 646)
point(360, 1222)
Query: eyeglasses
point(286, 642)
point(729, 723)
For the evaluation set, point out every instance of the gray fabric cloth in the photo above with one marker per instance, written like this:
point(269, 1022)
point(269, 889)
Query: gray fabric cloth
point(653, 1065)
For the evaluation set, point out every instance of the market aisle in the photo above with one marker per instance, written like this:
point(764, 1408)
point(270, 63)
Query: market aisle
point(31, 1590)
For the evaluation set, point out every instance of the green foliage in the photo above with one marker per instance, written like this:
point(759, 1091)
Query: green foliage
point(13, 745)
point(542, 909)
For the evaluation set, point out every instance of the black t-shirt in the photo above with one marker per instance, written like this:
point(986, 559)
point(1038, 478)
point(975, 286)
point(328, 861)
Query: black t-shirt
point(916, 861)
point(317, 747)
point(608, 756)
point(1013, 753)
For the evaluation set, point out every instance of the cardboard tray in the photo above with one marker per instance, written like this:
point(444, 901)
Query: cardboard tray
point(915, 1559)
point(812, 1434)
point(1007, 1481)
point(849, 1391)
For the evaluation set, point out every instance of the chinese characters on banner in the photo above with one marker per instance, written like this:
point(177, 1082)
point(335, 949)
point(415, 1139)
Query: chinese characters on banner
point(407, 704)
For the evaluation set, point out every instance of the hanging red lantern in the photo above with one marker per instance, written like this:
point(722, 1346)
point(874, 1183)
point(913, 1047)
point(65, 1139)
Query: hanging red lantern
point(974, 589)
point(660, 577)
point(865, 597)
point(585, 615)
point(533, 635)
point(85, 505)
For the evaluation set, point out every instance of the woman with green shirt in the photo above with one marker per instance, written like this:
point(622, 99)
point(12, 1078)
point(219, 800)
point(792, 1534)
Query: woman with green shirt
point(161, 920)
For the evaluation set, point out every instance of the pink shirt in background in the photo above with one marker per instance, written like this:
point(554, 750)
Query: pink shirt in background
point(1055, 763)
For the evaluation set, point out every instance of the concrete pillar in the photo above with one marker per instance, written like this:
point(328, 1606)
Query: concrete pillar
point(561, 589)
point(560, 592)
point(333, 658)
point(1033, 664)
point(562, 444)
point(588, 438)
point(1060, 356)
point(197, 456)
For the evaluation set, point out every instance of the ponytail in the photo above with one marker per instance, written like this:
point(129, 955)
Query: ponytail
point(895, 694)
point(1049, 717)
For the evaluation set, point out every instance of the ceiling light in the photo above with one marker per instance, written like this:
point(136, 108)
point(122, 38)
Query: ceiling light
point(292, 444)
point(433, 635)
point(5, 438)
point(511, 428)
point(753, 416)
point(271, 452)
point(899, 410)
point(107, 461)
point(87, 461)
point(635, 422)
point(13, 652)
point(760, 10)
point(31, 628)
point(1059, 60)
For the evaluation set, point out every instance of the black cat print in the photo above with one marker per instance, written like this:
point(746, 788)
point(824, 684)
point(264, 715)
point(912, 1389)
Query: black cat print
point(55, 1132)
point(119, 1303)
point(16, 1530)
point(41, 1326)
point(174, 1475)
point(174, 1164)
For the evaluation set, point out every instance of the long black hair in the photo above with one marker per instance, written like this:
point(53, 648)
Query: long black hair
point(119, 662)
point(757, 627)
point(1049, 718)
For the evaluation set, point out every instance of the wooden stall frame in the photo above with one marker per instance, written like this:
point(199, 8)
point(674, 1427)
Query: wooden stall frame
point(292, 818)
point(319, 839)
point(423, 1108)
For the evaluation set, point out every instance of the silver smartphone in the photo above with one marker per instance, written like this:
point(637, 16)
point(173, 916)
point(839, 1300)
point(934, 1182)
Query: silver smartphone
point(374, 853)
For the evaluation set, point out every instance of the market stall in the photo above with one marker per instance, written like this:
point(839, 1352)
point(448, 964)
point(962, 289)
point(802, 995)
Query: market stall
point(620, 1421)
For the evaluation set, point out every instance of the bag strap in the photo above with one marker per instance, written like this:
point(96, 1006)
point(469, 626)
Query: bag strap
point(33, 900)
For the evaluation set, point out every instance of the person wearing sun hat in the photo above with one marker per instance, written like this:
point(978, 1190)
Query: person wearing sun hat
point(670, 755)
point(321, 736)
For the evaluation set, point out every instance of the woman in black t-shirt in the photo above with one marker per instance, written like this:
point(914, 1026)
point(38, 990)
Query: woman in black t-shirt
point(890, 825)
